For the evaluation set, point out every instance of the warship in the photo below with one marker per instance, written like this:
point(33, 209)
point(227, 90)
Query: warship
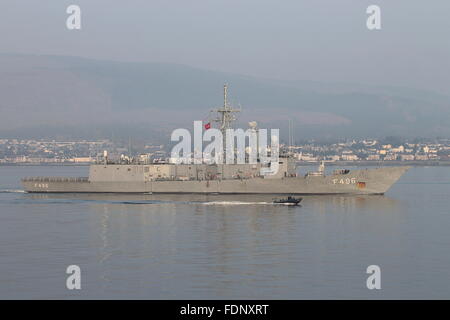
point(132, 176)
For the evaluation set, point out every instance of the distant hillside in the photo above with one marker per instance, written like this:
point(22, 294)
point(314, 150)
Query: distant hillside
point(67, 96)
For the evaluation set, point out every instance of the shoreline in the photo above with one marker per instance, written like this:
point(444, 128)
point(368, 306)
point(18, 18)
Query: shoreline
point(44, 164)
point(434, 163)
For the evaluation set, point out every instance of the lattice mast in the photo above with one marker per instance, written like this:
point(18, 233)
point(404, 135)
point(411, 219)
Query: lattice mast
point(226, 113)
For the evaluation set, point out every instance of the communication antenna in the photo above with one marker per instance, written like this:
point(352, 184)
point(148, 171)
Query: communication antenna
point(129, 147)
point(292, 134)
point(289, 137)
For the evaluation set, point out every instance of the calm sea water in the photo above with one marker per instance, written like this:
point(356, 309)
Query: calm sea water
point(216, 247)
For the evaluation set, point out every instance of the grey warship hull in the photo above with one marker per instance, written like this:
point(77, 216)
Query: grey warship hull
point(364, 181)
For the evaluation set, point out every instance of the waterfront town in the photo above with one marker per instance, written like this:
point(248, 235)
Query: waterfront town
point(393, 150)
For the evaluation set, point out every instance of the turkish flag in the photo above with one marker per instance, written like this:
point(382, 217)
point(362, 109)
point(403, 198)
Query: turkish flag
point(208, 126)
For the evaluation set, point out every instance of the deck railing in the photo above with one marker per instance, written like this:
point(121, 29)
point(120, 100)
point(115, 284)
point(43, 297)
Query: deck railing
point(57, 179)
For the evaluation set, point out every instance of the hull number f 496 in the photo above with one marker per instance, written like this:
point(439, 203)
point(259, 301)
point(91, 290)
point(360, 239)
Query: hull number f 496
point(344, 181)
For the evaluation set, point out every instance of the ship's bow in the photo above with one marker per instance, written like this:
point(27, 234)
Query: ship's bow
point(380, 180)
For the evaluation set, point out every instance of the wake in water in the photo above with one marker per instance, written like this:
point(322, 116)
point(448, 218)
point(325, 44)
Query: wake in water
point(238, 203)
point(50, 200)
point(12, 191)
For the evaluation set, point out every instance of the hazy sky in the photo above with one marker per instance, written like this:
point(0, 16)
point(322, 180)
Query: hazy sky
point(320, 40)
